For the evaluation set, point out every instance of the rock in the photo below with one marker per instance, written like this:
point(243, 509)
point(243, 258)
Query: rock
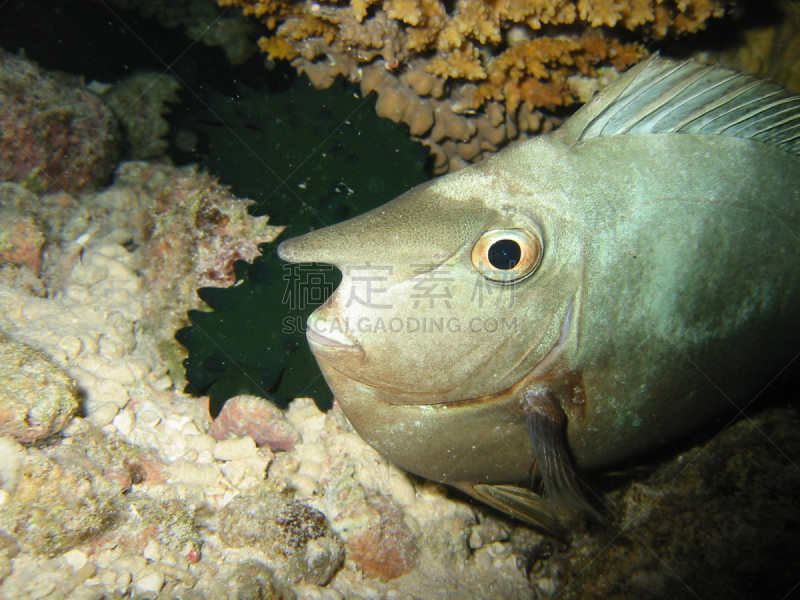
point(719, 522)
point(377, 539)
point(12, 453)
point(149, 580)
point(37, 399)
point(55, 507)
point(258, 418)
point(233, 449)
point(293, 537)
point(253, 580)
point(56, 134)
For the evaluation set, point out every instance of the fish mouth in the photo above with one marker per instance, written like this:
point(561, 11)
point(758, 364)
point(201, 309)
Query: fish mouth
point(322, 335)
point(327, 348)
point(318, 339)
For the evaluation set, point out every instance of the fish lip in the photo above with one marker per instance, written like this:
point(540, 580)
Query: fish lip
point(316, 338)
point(331, 341)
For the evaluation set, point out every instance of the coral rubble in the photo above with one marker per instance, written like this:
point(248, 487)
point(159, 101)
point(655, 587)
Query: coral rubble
point(470, 76)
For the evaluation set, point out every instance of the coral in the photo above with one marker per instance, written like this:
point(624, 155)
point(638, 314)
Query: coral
point(470, 76)
point(119, 503)
point(55, 135)
point(770, 51)
point(37, 399)
point(202, 21)
point(139, 102)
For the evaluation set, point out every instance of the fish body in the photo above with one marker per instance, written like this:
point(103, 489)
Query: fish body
point(577, 300)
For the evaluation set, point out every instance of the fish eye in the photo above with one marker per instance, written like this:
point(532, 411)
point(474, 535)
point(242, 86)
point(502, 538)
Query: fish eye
point(507, 255)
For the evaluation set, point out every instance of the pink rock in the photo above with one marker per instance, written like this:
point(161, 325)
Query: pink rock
point(380, 544)
point(258, 418)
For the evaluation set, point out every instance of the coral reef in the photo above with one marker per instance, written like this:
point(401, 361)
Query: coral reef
point(56, 135)
point(202, 21)
point(770, 51)
point(469, 77)
point(139, 103)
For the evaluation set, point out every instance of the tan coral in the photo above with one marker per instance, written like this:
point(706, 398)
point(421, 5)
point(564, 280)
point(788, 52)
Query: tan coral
point(435, 65)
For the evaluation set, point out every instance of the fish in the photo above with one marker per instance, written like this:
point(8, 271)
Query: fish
point(576, 301)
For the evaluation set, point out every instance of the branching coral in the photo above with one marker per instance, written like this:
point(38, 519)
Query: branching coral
point(471, 75)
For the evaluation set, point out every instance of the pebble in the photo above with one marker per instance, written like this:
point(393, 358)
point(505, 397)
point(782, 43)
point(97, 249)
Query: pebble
point(12, 453)
point(42, 589)
point(149, 579)
point(111, 391)
point(152, 551)
point(75, 558)
point(125, 421)
point(104, 414)
point(235, 448)
point(71, 345)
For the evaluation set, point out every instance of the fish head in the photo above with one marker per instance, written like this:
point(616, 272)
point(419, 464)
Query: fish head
point(455, 290)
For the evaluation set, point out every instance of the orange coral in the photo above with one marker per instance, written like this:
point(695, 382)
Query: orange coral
point(494, 43)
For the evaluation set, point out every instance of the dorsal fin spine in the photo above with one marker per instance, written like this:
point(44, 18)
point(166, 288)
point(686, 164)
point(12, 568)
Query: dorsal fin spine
point(664, 100)
point(662, 96)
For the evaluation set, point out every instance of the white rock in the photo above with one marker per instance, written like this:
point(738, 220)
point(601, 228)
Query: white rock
point(148, 419)
point(111, 349)
point(103, 414)
point(110, 391)
point(236, 448)
point(71, 345)
point(125, 421)
point(152, 551)
point(200, 442)
point(190, 473)
point(176, 422)
point(41, 589)
point(128, 562)
point(75, 558)
point(245, 473)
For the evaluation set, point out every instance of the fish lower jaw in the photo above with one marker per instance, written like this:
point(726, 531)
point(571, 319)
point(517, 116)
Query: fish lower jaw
point(329, 339)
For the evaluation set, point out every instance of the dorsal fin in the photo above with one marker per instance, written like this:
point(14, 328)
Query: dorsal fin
point(666, 96)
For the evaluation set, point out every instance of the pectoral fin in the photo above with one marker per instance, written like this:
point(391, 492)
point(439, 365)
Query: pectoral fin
point(547, 424)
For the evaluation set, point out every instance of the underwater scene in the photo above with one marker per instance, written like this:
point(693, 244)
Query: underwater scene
point(399, 299)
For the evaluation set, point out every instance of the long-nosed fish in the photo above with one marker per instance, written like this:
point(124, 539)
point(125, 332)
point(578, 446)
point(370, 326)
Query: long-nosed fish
point(577, 300)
